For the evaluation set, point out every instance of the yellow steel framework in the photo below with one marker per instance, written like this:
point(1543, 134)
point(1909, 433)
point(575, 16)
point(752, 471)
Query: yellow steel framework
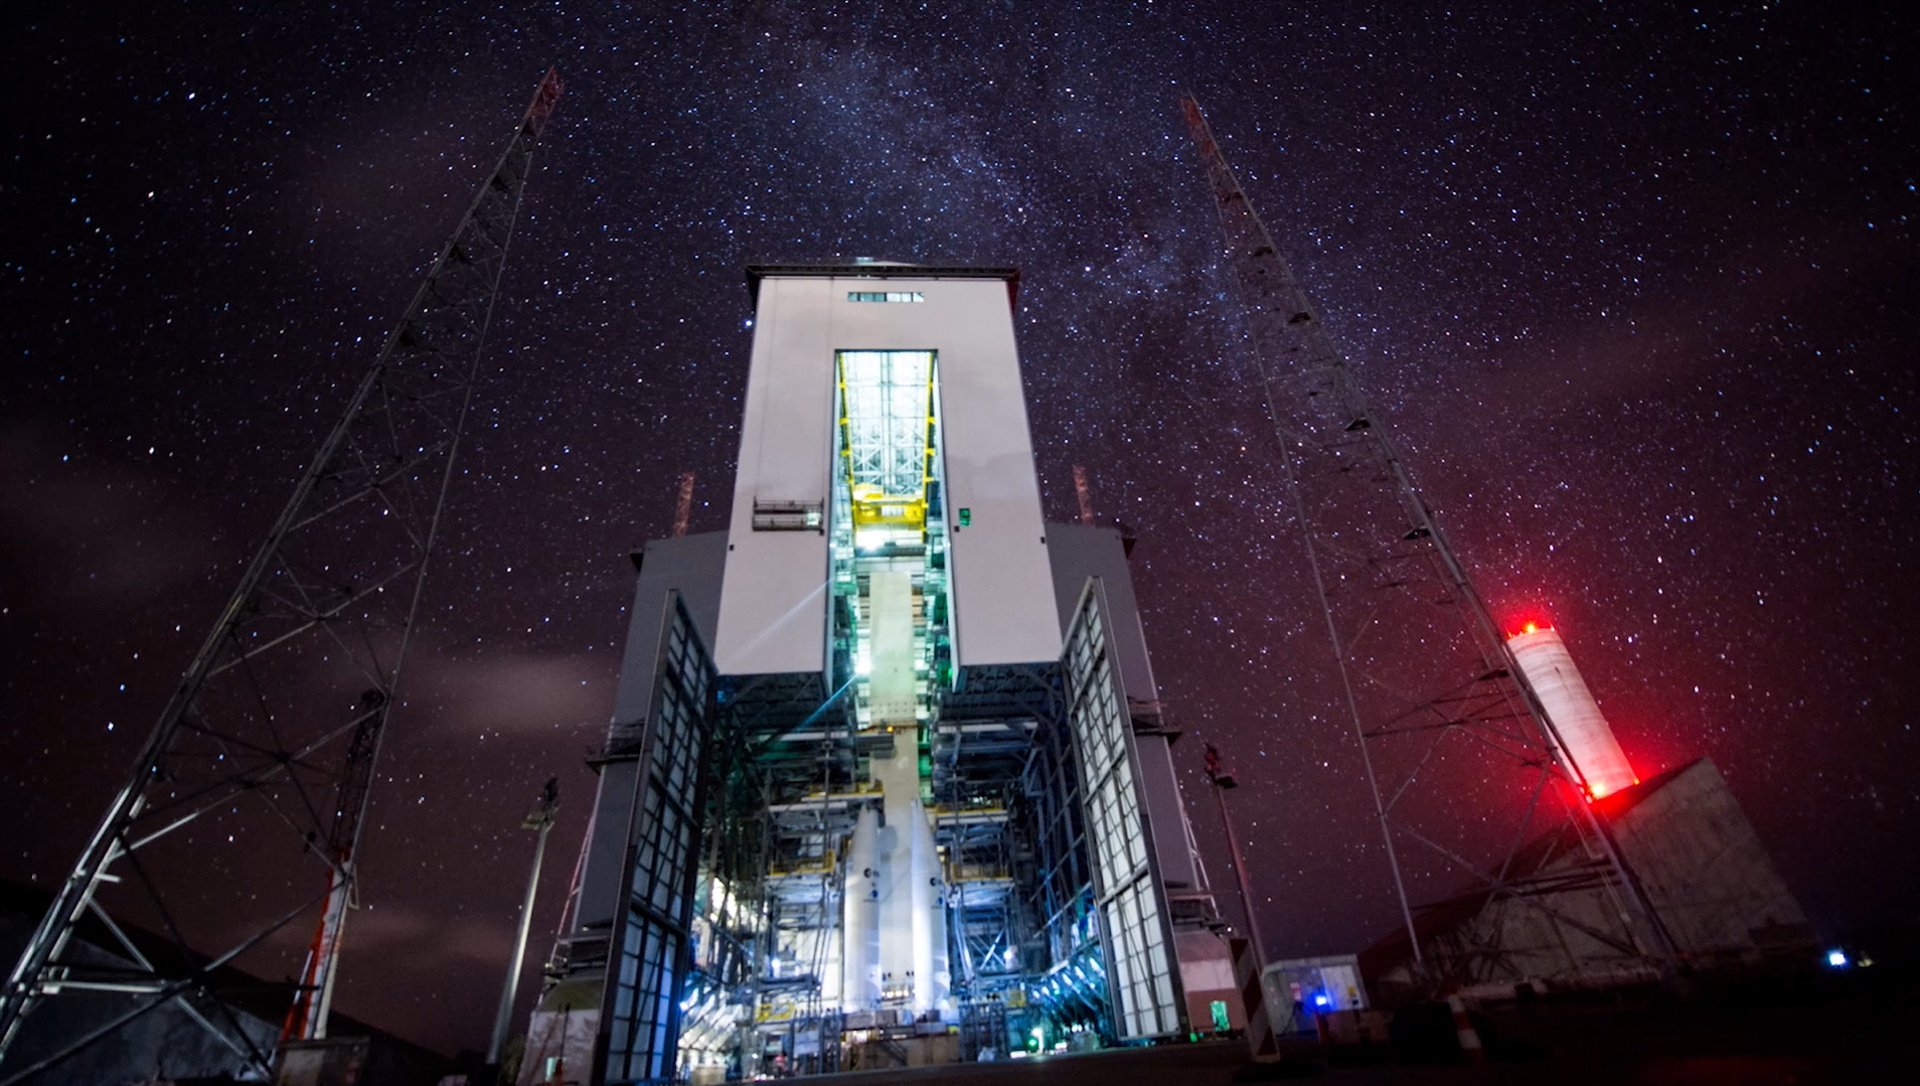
point(886, 442)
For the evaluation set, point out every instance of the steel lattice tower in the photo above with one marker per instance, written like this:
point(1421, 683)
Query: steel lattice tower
point(276, 725)
point(1465, 768)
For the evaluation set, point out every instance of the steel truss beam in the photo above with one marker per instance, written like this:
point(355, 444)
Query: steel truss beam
point(1440, 716)
point(275, 727)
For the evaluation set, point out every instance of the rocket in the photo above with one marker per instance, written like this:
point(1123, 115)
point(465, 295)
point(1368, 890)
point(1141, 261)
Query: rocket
point(860, 916)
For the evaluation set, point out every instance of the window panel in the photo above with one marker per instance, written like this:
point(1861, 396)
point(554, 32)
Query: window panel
point(885, 296)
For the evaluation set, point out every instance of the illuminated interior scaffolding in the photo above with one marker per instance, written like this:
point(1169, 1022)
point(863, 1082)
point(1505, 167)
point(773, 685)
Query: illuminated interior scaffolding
point(886, 444)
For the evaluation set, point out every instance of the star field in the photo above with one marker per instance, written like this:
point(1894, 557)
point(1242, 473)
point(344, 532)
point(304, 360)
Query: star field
point(1631, 284)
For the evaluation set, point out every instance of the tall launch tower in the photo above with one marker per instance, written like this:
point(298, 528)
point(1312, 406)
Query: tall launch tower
point(916, 800)
point(1465, 763)
point(271, 736)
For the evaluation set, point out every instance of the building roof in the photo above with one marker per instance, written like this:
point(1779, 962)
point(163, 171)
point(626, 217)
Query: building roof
point(1626, 799)
point(876, 269)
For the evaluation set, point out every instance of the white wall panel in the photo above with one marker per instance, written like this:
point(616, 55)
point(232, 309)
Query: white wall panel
point(1002, 583)
point(773, 603)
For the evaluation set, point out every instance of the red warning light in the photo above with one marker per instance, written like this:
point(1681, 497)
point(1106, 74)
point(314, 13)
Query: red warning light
point(1528, 626)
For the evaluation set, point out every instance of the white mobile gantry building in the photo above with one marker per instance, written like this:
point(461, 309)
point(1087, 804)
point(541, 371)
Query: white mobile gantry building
point(887, 780)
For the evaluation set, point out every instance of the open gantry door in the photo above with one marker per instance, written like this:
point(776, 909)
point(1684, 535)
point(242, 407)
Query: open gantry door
point(1141, 972)
point(650, 952)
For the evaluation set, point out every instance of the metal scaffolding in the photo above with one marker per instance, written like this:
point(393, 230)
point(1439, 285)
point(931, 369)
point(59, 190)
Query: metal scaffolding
point(1464, 767)
point(270, 740)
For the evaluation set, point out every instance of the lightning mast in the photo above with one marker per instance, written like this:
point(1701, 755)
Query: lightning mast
point(1464, 766)
point(274, 730)
point(540, 819)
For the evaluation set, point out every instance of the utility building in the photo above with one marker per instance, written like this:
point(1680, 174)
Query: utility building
point(887, 780)
point(1711, 890)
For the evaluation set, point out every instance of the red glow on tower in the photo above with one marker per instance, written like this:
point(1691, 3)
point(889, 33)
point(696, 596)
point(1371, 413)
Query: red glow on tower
point(1516, 628)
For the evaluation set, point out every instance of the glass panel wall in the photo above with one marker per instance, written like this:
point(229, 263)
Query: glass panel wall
point(1140, 965)
point(650, 961)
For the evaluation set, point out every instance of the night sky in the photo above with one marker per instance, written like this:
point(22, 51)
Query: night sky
point(1633, 285)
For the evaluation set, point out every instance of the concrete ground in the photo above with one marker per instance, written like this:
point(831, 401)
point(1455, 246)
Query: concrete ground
point(1857, 1030)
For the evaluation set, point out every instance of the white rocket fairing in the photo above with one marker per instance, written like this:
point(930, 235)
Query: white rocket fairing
point(860, 917)
point(931, 977)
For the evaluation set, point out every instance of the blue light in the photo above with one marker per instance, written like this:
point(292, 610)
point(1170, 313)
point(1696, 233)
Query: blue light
point(1837, 959)
point(1319, 999)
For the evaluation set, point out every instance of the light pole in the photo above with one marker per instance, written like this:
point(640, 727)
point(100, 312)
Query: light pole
point(1222, 779)
point(541, 819)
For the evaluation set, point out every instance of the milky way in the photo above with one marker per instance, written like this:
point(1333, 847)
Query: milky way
point(1632, 286)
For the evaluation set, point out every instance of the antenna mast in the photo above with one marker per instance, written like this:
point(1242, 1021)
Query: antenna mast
point(1440, 715)
point(271, 737)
